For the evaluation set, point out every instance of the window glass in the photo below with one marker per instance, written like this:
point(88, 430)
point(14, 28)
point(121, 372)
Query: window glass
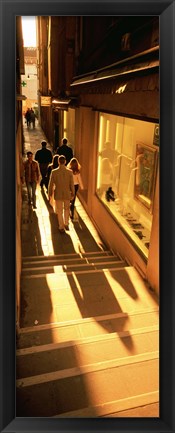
point(126, 170)
point(69, 126)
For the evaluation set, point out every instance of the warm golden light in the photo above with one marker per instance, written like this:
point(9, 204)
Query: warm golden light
point(29, 31)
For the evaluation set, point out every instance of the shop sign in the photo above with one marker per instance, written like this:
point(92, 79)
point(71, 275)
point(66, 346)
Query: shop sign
point(45, 101)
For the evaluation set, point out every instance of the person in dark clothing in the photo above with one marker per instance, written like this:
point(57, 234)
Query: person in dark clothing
point(44, 157)
point(50, 167)
point(65, 150)
point(27, 116)
point(75, 167)
point(32, 117)
point(31, 173)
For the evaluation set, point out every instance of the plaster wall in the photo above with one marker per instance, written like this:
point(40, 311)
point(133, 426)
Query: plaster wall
point(18, 218)
point(134, 103)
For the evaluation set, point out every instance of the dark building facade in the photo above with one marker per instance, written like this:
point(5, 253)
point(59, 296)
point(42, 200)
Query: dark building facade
point(100, 76)
point(19, 153)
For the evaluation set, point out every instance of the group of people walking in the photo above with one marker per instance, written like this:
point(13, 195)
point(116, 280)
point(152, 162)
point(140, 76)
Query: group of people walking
point(60, 174)
point(30, 117)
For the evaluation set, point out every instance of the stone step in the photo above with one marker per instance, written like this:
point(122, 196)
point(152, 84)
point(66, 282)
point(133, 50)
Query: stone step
point(70, 261)
point(52, 262)
point(76, 330)
point(77, 388)
point(39, 264)
point(98, 253)
point(44, 258)
point(71, 354)
point(67, 256)
point(81, 266)
point(65, 296)
point(62, 271)
point(140, 406)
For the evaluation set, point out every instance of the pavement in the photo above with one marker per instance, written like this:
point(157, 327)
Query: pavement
point(83, 328)
point(39, 228)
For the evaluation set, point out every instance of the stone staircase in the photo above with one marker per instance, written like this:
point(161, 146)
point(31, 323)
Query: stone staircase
point(88, 344)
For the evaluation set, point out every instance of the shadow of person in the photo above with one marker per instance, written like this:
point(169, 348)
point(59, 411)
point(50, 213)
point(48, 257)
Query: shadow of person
point(87, 240)
point(30, 234)
point(62, 243)
point(96, 299)
point(125, 282)
point(36, 303)
point(132, 284)
point(46, 201)
point(32, 401)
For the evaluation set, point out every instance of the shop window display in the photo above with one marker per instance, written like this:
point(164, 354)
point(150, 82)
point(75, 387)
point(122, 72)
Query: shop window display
point(127, 160)
point(145, 174)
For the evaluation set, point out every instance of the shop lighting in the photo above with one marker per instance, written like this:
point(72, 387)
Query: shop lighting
point(121, 89)
point(61, 101)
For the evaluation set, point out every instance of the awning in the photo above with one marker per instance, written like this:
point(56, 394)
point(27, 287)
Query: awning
point(116, 74)
point(21, 97)
point(145, 62)
point(64, 104)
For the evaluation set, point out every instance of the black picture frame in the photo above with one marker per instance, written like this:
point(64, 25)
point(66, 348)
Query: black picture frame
point(8, 11)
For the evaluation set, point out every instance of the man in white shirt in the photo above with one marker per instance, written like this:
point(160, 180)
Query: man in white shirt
point(61, 184)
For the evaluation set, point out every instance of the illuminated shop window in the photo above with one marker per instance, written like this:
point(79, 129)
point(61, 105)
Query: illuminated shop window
point(65, 115)
point(69, 126)
point(126, 172)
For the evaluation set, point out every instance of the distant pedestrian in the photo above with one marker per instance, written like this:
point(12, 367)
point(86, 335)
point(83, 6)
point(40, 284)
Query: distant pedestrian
point(27, 116)
point(65, 150)
point(32, 117)
point(31, 172)
point(61, 183)
point(75, 167)
point(44, 157)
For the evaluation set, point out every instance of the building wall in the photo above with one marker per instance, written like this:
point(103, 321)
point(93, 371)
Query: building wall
point(133, 95)
point(56, 61)
point(79, 45)
point(18, 216)
point(86, 151)
point(43, 74)
point(42, 33)
point(84, 146)
point(30, 78)
point(106, 40)
point(18, 153)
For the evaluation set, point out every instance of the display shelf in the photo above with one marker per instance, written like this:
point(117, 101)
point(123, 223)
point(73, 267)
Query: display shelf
point(131, 223)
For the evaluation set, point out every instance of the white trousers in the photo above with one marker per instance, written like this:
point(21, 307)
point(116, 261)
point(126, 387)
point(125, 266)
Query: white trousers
point(62, 209)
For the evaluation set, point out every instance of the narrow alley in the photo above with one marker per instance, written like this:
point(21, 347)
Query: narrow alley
point(88, 342)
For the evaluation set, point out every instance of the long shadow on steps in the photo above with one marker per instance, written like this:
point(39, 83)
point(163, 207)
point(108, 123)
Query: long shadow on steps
point(52, 397)
point(87, 240)
point(61, 297)
point(30, 231)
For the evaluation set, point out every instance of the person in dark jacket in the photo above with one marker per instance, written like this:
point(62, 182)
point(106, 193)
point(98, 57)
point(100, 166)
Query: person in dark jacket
point(32, 117)
point(50, 167)
point(65, 150)
point(44, 157)
point(31, 173)
point(27, 116)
